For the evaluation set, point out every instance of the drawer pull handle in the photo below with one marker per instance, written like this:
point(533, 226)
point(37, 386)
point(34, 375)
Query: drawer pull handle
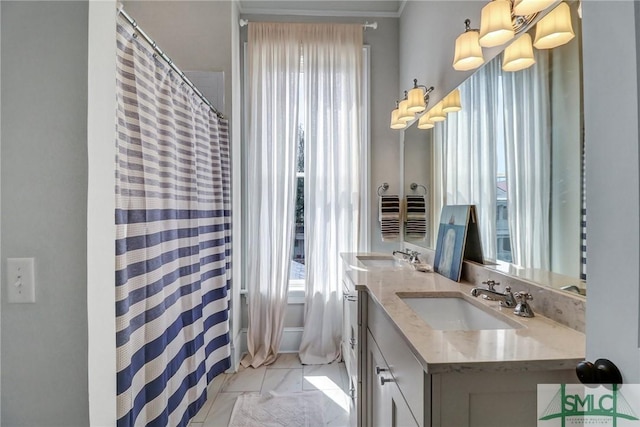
point(385, 380)
point(379, 370)
point(351, 298)
point(353, 343)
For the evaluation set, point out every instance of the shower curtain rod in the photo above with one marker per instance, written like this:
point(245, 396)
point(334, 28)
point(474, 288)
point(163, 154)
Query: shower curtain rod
point(168, 60)
point(367, 24)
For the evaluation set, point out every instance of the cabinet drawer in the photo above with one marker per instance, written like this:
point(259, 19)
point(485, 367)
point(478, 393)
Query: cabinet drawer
point(405, 368)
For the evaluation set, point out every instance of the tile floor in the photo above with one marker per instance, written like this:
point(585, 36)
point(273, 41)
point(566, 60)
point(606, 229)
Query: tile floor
point(287, 374)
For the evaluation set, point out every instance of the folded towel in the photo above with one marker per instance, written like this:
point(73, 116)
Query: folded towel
point(390, 217)
point(416, 227)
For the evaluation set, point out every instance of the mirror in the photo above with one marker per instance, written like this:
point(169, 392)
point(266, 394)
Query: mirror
point(508, 106)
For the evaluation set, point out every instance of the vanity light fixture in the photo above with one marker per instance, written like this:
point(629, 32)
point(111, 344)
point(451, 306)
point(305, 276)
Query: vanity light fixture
point(436, 114)
point(451, 103)
point(519, 54)
point(403, 113)
point(418, 99)
point(425, 122)
point(496, 26)
point(529, 7)
point(395, 122)
point(555, 28)
point(468, 53)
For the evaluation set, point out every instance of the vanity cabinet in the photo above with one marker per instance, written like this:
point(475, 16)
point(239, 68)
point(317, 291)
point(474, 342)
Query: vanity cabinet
point(387, 406)
point(409, 396)
point(352, 309)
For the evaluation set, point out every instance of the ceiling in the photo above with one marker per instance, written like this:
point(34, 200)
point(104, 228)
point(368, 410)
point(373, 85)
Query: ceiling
point(364, 8)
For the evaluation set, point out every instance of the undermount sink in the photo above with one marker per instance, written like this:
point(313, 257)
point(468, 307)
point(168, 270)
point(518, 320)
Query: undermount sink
point(379, 261)
point(456, 314)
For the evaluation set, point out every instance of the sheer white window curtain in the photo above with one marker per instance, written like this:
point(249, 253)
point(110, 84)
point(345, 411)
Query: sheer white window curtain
point(528, 161)
point(513, 107)
point(468, 146)
point(274, 74)
point(333, 68)
point(332, 55)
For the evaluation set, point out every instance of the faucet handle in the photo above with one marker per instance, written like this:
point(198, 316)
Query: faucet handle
point(491, 284)
point(522, 297)
point(522, 308)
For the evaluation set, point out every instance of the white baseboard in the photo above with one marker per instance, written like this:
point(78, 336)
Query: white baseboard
point(291, 338)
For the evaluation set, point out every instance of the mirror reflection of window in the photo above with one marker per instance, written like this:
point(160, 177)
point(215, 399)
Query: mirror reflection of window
point(515, 152)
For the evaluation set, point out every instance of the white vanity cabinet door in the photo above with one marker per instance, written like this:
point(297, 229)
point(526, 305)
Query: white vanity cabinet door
point(408, 373)
point(386, 405)
point(491, 399)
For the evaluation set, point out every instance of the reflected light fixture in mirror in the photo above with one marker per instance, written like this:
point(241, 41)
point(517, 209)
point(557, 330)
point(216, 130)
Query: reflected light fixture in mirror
point(436, 114)
point(425, 122)
point(519, 54)
point(451, 102)
point(496, 27)
point(555, 28)
point(529, 7)
point(468, 53)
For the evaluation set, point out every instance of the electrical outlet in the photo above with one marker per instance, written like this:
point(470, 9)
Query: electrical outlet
point(20, 280)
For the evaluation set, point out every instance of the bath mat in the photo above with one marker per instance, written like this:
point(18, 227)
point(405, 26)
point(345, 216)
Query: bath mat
point(304, 409)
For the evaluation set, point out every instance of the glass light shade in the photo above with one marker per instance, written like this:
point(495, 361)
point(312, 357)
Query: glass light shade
point(554, 29)
point(404, 115)
point(529, 7)
point(496, 27)
point(425, 122)
point(436, 114)
point(395, 123)
point(415, 100)
point(519, 54)
point(451, 102)
point(468, 53)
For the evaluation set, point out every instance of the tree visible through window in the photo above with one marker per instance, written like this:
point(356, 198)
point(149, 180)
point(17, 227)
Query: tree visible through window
point(297, 262)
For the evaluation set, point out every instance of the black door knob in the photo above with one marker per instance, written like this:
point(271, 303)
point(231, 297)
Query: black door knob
point(602, 371)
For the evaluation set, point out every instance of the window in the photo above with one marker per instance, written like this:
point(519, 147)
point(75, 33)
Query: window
point(297, 269)
point(296, 274)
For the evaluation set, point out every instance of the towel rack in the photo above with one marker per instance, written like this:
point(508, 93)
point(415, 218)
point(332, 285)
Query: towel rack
point(384, 187)
point(415, 186)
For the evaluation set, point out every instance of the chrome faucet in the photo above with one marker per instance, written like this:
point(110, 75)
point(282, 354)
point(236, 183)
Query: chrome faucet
point(506, 299)
point(523, 309)
point(412, 256)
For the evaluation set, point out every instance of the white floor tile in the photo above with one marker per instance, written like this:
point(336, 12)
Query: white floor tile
point(246, 379)
point(336, 408)
point(220, 412)
point(323, 377)
point(286, 361)
point(212, 391)
point(282, 380)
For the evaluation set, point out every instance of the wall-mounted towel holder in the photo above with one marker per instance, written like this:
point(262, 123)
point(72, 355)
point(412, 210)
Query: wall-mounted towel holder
point(415, 186)
point(384, 187)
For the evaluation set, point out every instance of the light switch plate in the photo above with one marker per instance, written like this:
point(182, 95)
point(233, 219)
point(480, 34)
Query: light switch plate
point(21, 280)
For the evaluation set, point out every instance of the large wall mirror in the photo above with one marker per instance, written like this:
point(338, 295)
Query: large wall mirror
point(516, 151)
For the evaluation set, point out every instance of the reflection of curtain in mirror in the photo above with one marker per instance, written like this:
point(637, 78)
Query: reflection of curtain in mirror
point(527, 140)
point(466, 142)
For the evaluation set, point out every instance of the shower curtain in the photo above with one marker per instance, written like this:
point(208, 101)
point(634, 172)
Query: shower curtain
point(173, 243)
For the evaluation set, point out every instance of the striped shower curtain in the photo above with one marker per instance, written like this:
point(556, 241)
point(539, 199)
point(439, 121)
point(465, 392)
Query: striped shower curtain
point(173, 243)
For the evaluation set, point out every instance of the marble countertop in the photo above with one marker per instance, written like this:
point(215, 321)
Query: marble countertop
point(540, 344)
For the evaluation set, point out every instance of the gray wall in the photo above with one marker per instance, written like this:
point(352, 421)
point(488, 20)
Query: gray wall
point(196, 35)
point(44, 186)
